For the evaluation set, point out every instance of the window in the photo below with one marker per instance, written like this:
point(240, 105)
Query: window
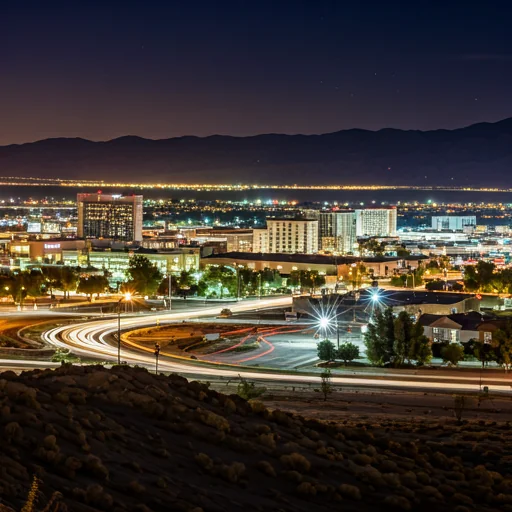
point(454, 335)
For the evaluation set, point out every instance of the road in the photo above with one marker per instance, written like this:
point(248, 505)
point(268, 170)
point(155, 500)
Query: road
point(94, 339)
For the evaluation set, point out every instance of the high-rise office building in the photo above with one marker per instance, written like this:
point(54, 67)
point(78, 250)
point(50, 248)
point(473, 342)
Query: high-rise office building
point(376, 222)
point(292, 236)
point(337, 231)
point(110, 216)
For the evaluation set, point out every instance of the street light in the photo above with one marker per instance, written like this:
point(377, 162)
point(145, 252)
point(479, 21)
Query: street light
point(127, 297)
point(170, 291)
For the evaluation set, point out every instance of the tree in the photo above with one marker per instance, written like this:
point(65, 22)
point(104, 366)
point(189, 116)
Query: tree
point(17, 287)
point(306, 279)
point(68, 280)
point(502, 340)
point(32, 281)
point(398, 281)
point(420, 349)
point(218, 278)
point(453, 353)
point(484, 352)
point(143, 276)
point(326, 350)
point(372, 247)
point(380, 338)
point(51, 276)
point(347, 352)
point(91, 285)
point(436, 284)
point(402, 335)
point(325, 384)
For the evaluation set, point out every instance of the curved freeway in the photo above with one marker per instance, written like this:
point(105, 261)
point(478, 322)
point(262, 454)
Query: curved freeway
point(93, 339)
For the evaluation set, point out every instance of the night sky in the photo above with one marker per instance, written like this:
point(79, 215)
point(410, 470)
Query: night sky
point(100, 70)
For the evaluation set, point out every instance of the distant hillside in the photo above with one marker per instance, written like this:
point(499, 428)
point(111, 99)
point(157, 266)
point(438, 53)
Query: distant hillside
point(480, 154)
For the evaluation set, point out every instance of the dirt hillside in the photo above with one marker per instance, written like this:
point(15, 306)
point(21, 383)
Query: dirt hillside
point(127, 440)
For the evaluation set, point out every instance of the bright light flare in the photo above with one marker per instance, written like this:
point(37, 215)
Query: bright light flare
point(128, 296)
point(324, 322)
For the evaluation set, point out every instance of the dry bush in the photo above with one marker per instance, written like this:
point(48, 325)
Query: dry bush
point(267, 440)
point(267, 468)
point(296, 461)
point(214, 420)
point(204, 461)
point(397, 502)
point(257, 406)
point(234, 472)
point(362, 460)
point(350, 491)
point(307, 489)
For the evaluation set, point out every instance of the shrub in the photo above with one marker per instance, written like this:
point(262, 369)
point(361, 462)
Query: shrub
point(234, 472)
point(248, 390)
point(453, 353)
point(326, 351)
point(350, 491)
point(326, 386)
point(347, 352)
point(397, 502)
point(306, 488)
point(63, 355)
point(214, 420)
point(266, 467)
point(459, 402)
point(204, 461)
point(296, 461)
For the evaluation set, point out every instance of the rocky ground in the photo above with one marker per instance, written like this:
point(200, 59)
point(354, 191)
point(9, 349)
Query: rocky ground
point(127, 440)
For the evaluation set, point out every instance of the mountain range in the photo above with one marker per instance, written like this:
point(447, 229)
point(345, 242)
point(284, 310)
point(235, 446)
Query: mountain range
point(477, 155)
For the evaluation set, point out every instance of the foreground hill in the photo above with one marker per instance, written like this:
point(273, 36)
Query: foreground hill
point(127, 440)
point(479, 155)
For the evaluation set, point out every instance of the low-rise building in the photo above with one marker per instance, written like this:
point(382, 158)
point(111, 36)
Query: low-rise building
point(454, 328)
point(116, 262)
point(340, 266)
point(42, 251)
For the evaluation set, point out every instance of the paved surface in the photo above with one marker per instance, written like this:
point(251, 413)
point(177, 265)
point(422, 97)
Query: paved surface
point(94, 339)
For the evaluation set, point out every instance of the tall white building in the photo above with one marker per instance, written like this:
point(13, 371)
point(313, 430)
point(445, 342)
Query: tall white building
point(376, 222)
point(337, 231)
point(292, 236)
point(452, 222)
point(260, 240)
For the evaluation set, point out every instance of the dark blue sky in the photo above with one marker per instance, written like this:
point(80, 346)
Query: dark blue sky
point(159, 69)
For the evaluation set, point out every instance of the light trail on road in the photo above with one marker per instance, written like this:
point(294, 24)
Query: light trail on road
point(91, 339)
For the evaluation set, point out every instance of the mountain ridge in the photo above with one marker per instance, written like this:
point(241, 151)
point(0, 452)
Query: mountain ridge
point(475, 155)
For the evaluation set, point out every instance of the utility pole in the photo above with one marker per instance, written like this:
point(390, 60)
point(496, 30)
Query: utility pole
point(157, 354)
point(170, 291)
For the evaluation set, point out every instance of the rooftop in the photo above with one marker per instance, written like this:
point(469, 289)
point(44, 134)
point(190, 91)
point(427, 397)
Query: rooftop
point(319, 259)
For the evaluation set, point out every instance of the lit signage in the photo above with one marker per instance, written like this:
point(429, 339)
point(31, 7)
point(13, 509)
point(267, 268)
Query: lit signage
point(52, 246)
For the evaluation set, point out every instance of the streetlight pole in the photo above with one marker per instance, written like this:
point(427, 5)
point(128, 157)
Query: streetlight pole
point(157, 353)
point(337, 334)
point(127, 297)
point(170, 291)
